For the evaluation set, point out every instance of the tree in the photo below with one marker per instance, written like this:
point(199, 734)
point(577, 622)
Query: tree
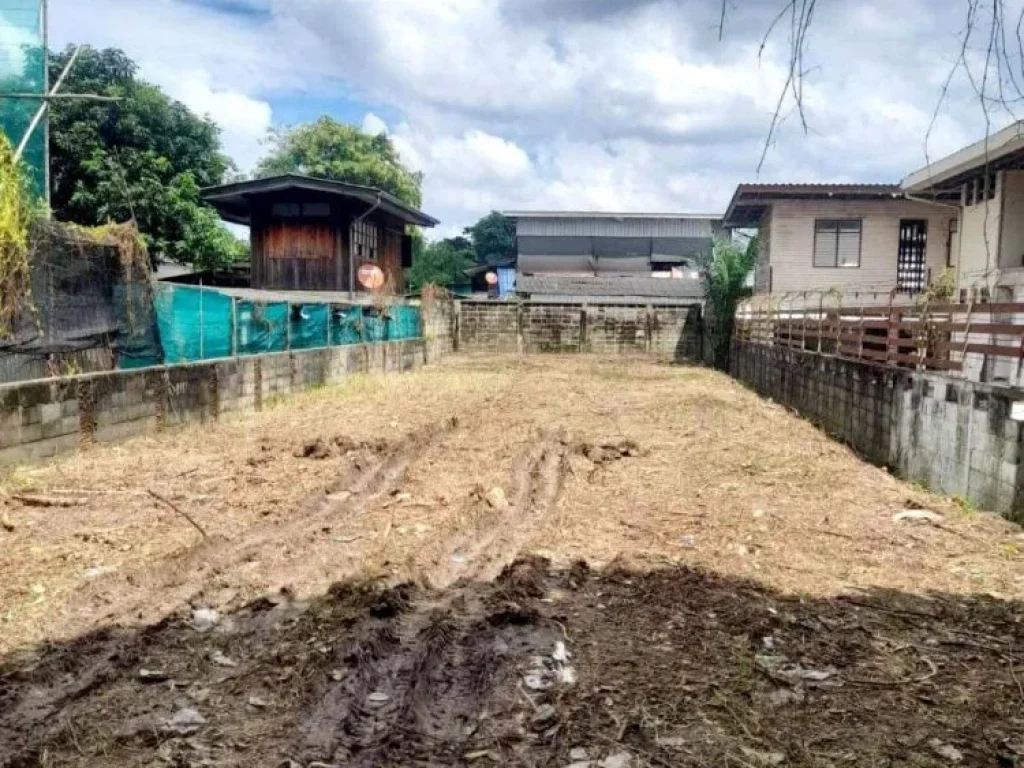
point(494, 238)
point(441, 263)
point(727, 272)
point(329, 149)
point(144, 157)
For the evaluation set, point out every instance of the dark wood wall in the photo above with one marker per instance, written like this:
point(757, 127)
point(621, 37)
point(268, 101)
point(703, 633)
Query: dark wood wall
point(312, 254)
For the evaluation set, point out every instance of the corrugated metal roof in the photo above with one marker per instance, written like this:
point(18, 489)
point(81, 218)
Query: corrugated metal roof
point(633, 226)
point(595, 287)
point(606, 215)
point(751, 200)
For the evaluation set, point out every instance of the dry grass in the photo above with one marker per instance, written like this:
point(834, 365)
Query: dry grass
point(756, 491)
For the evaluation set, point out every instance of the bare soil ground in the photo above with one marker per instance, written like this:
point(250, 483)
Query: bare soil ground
point(748, 598)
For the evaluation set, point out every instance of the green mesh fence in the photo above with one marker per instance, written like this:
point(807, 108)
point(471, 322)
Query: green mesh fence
point(346, 324)
point(404, 323)
point(22, 71)
point(196, 324)
point(261, 328)
point(310, 326)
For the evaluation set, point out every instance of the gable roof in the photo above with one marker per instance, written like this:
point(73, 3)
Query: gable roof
point(750, 201)
point(232, 201)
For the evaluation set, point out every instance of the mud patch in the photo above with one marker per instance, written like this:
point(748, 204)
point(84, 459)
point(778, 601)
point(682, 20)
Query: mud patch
point(675, 667)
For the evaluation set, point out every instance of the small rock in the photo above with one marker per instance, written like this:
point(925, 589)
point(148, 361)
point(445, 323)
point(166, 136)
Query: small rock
point(185, 721)
point(458, 558)
point(377, 698)
point(153, 676)
point(496, 498)
point(948, 751)
point(204, 620)
point(221, 660)
point(618, 760)
point(566, 675)
point(560, 654)
point(687, 542)
point(759, 513)
point(543, 717)
point(256, 701)
point(336, 675)
point(918, 516)
point(782, 697)
point(578, 754)
point(768, 643)
point(763, 758)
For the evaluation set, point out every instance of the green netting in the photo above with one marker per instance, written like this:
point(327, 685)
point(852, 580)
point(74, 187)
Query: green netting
point(261, 328)
point(310, 326)
point(22, 71)
point(345, 326)
point(195, 324)
point(375, 327)
point(404, 323)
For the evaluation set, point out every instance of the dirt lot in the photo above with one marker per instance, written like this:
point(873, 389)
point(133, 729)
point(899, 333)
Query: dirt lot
point(749, 599)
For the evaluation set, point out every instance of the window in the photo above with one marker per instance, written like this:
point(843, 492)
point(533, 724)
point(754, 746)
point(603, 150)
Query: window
point(301, 210)
point(364, 240)
point(837, 243)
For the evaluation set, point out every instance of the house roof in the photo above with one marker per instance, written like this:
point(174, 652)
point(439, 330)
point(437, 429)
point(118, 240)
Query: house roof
point(1004, 149)
point(606, 215)
point(233, 201)
point(587, 286)
point(750, 201)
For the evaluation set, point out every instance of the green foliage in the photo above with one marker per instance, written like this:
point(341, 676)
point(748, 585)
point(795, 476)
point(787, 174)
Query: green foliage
point(15, 215)
point(727, 271)
point(441, 263)
point(494, 238)
point(144, 157)
point(329, 149)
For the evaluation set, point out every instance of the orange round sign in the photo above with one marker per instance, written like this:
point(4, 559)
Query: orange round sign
point(371, 277)
point(491, 278)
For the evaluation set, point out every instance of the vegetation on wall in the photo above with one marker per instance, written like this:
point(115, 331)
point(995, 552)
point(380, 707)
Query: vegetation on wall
point(16, 214)
point(329, 149)
point(142, 158)
point(727, 272)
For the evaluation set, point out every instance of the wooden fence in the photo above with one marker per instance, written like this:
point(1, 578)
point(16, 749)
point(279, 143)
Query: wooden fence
point(939, 337)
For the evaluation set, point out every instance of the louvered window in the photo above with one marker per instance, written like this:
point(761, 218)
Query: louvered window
point(837, 243)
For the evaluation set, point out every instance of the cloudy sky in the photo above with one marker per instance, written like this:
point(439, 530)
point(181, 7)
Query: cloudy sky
point(587, 104)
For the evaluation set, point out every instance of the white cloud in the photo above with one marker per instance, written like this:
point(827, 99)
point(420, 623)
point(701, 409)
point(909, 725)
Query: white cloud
point(373, 125)
point(244, 121)
point(609, 104)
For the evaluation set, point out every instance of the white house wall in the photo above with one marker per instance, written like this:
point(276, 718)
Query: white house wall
point(1011, 247)
point(792, 243)
point(979, 241)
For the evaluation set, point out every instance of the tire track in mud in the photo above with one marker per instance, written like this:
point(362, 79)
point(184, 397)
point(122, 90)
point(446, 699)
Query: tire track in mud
point(536, 483)
point(422, 681)
point(220, 564)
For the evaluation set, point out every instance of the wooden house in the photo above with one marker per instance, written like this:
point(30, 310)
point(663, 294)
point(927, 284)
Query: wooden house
point(314, 235)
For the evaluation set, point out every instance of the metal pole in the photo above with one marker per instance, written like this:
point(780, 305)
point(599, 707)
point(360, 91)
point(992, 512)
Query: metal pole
point(45, 13)
point(43, 107)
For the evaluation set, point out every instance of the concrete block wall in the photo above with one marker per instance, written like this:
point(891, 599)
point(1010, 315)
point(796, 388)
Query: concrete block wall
point(953, 436)
point(667, 332)
point(40, 419)
point(490, 326)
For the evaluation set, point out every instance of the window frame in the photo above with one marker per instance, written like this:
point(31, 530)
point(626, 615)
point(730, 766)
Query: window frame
point(818, 225)
point(366, 241)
